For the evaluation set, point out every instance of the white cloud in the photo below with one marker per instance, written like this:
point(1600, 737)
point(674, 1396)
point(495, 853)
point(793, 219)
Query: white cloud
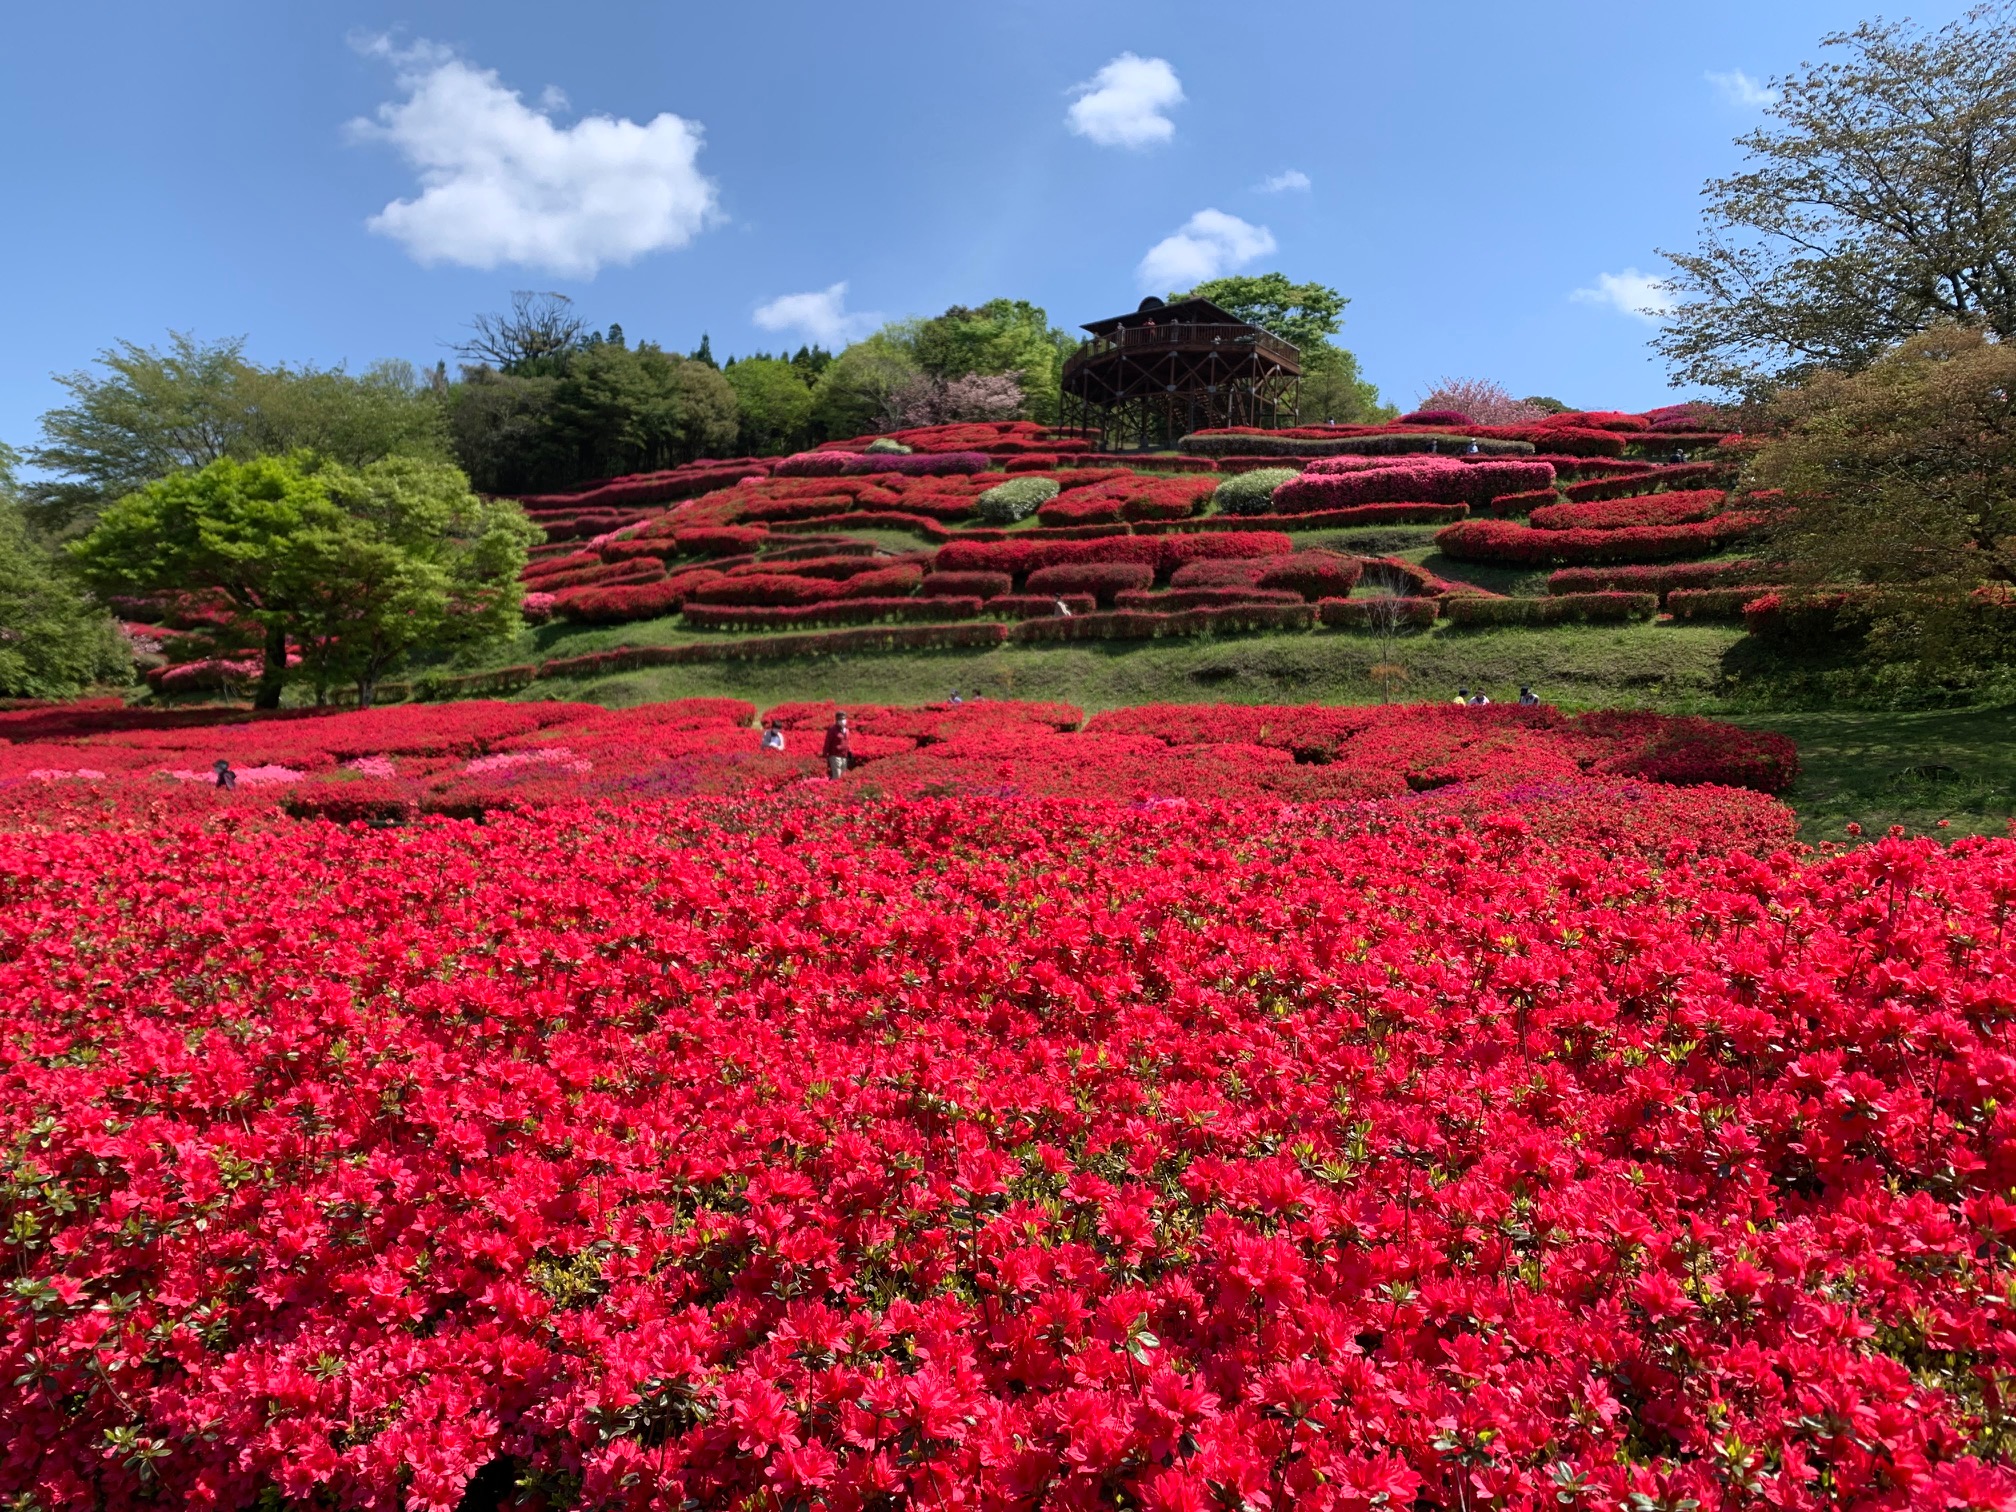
point(1276, 183)
point(821, 317)
point(1209, 244)
point(501, 182)
point(1122, 105)
point(1630, 292)
point(1738, 88)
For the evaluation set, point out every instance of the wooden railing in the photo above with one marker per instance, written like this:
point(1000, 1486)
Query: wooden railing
point(1146, 340)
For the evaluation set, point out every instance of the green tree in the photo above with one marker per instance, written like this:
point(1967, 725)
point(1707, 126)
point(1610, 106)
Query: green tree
point(1307, 315)
point(855, 387)
point(606, 410)
point(1001, 336)
point(416, 561)
point(54, 643)
point(314, 552)
point(1902, 478)
point(774, 403)
point(1880, 201)
point(148, 413)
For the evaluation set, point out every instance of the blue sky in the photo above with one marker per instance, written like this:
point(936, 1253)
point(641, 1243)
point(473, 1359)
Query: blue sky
point(344, 182)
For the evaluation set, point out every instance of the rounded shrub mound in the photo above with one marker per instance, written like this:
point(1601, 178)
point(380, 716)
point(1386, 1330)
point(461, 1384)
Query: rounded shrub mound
point(1017, 499)
point(1251, 493)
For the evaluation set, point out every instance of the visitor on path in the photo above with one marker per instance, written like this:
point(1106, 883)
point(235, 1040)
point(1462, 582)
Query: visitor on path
point(226, 778)
point(838, 749)
point(1528, 698)
point(773, 738)
point(1063, 609)
point(955, 700)
point(1480, 700)
point(1462, 699)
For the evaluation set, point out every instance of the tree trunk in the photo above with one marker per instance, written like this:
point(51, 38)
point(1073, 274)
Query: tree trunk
point(273, 671)
point(367, 689)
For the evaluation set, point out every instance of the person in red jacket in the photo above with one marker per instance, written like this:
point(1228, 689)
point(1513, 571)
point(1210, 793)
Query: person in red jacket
point(837, 747)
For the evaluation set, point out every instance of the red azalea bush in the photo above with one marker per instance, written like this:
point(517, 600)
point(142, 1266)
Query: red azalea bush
point(1100, 579)
point(1655, 479)
point(1443, 482)
point(1684, 508)
point(757, 588)
point(1508, 542)
point(643, 601)
point(1313, 574)
point(1021, 606)
point(984, 585)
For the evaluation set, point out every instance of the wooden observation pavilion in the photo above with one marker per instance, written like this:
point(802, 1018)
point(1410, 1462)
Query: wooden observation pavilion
point(1147, 378)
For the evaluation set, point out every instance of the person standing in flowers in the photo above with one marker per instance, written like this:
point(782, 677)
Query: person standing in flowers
point(226, 778)
point(773, 736)
point(838, 749)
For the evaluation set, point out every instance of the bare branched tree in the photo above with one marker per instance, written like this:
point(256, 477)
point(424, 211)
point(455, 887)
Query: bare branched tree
point(539, 325)
point(1880, 201)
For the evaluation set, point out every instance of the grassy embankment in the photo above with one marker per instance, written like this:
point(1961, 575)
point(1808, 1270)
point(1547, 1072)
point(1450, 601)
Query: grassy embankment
point(1878, 768)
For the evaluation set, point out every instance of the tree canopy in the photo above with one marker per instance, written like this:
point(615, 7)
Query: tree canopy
point(356, 567)
point(1307, 315)
point(1901, 480)
point(54, 643)
point(601, 409)
point(1880, 201)
point(148, 412)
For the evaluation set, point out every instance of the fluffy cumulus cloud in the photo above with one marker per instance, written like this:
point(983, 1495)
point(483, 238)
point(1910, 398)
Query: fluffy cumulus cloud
point(820, 317)
point(1209, 245)
point(1123, 104)
point(1630, 293)
point(1738, 88)
point(502, 182)
point(1282, 182)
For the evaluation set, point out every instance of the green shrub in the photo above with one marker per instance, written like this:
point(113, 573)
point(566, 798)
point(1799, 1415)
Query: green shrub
point(883, 444)
point(1251, 493)
point(1017, 499)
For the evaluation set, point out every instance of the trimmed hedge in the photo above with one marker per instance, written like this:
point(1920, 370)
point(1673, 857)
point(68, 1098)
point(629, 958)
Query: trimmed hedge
point(1594, 608)
point(1661, 579)
point(862, 611)
point(831, 464)
point(1100, 579)
point(620, 606)
point(1017, 499)
point(1202, 598)
point(1440, 482)
point(1646, 509)
point(1134, 624)
point(985, 585)
point(1654, 480)
point(1366, 613)
point(1022, 606)
point(1251, 492)
point(1504, 541)
point(1322, 519)
point(1715, 603)
point(1222, 444)
point(1314, 574)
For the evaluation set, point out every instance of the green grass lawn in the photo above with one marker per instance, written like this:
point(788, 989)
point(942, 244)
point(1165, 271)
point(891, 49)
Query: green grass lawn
point(1913, 769)
point(1576, 666)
